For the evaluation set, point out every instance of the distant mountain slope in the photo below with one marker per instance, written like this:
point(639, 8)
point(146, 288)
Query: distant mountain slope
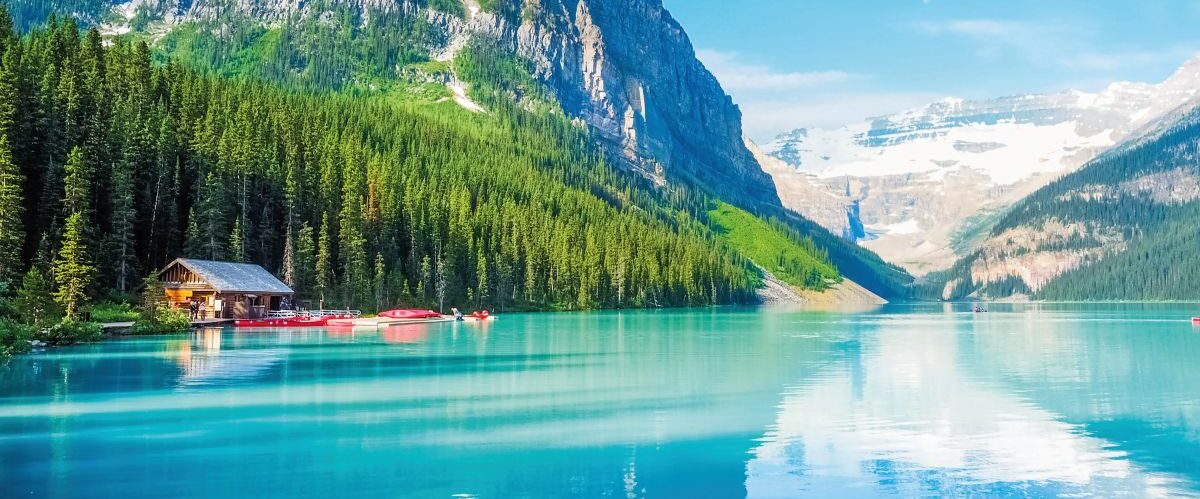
point(919, 185)
point(1124, 227)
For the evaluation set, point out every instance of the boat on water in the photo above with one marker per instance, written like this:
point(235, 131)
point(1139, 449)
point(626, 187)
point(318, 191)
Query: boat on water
point(1196, 321)
point(482, 315)
point(478, 315)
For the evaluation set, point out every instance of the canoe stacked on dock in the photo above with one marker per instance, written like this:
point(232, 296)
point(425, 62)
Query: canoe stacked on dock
point(385, 321)
point(344, 319)
point(394, 317)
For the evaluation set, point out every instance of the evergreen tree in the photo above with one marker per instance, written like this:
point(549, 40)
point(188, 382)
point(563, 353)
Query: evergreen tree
point(77, 195)
point(237, 245)
point(381, 282)
point(287, 269)
point(324, 262)
point(123, 219)
point(443, 281)
point(12, 231)
point(34, 303)
point(194, 240)
point(73, 270)
point(306, 262)
point(152, 298)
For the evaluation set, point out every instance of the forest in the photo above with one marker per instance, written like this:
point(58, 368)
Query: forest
point(1157, 260)
point(111, 165)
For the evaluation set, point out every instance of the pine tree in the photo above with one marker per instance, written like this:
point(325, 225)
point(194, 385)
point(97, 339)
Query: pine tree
point(443, 281)
point(324, 263)
point(237, 245)
point(12, 231)
point(77, 185)
point(152, 298)
point(73, 270)
point(9, 96)
point(34, 303)
point(426, 278)
point(287, 269)
point(482, 285)
point(123, 218)
point(193, 246)
point(306, 262)
point(380, 282)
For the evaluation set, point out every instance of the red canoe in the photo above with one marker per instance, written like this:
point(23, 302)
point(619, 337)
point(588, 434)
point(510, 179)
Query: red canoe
point(410, 314)
point(1195, 320)
point(298, 321)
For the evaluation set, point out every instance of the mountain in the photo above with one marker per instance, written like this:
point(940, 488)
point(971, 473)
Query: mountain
point(557, 91)
point(921, 186)
point(1123, 227)
point(623, 67)
point(668, 120)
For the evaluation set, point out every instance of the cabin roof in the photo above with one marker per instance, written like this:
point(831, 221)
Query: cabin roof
point(229, 277)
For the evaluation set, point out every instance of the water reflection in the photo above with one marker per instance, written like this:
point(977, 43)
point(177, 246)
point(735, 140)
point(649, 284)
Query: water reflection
point(910, 412)
point(202, 363)
point(926, 401)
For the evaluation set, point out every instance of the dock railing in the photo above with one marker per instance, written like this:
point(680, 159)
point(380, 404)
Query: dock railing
point(326, 313)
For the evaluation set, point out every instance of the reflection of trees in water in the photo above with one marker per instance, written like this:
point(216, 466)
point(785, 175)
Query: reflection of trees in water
point(634, 401)
point(204, 364)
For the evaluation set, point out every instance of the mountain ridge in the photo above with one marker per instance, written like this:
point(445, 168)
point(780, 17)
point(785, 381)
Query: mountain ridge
point(668, 123)
point(891, 173)
point(1120, 228)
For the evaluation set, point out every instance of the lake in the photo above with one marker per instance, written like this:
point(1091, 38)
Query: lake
point(911, 400)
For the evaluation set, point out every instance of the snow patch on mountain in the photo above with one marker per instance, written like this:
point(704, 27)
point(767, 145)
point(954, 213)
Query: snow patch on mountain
point(948, 164)
point(1009, 139)
point(1012, 151)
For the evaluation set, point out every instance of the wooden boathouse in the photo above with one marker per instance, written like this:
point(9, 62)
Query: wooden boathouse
point(225, 290)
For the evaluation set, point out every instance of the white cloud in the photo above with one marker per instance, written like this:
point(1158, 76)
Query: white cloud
point(736, 75)
point(1039, 43)
point(1067, 45)
point(766, 118)
point(981, 28)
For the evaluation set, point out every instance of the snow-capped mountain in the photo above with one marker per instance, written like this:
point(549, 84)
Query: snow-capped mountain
point(924, 181)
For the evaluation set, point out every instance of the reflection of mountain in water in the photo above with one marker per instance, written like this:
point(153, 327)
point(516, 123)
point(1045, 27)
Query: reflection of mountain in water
point(908, 416)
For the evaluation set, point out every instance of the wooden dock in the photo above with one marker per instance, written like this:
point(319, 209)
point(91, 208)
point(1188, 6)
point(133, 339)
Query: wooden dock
point(211, 323)
point(119, 327)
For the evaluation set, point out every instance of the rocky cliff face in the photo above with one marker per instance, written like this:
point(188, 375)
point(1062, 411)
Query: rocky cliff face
point(625, 67)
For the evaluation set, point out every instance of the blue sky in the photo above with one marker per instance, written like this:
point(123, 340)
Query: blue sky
point(792, 63)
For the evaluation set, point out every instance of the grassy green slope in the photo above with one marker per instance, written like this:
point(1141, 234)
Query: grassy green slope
point(790, 257)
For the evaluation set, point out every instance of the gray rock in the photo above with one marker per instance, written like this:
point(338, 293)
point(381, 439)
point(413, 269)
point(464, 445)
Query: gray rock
point(624, 67)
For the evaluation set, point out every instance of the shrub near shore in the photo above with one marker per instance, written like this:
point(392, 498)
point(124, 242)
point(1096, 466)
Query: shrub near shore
point(14, 338)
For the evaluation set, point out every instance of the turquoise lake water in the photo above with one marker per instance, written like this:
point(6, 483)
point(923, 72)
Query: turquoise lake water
point(1025, 401)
